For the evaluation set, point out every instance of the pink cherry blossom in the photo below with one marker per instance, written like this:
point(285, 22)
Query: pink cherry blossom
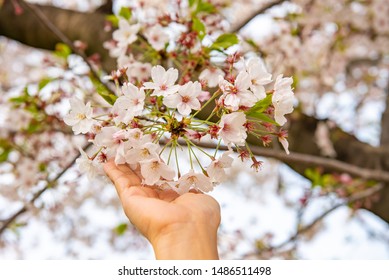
point(80, 116)
point(157, 37)
point(232, 128)
point(216, 169)
point(282, 99)
point(129, 105)
point(163, 81)
point(211, 76)
point(237, 94)
point(186, 99)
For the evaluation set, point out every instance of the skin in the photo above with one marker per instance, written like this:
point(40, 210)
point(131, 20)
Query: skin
point(178, 227)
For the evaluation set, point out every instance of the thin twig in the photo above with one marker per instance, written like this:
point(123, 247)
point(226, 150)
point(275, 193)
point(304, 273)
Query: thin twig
point(256, 13)
point(62, 37)
point(7, 222)
point(355, 197)
point(332, 164)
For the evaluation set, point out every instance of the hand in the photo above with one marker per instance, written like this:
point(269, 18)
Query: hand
point(178, 227)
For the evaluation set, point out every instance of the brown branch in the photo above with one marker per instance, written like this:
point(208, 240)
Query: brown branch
point(329, 164)
point(61, 36)
point(256, 13)
point(355, 197)
point(7, 222)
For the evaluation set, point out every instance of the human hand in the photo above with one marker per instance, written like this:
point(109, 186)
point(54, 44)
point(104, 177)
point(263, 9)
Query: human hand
point(178, 227)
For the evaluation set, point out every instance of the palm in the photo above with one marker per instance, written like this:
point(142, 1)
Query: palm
point(152, 210)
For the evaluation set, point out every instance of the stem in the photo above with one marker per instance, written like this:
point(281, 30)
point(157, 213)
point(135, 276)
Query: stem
point(206, 103)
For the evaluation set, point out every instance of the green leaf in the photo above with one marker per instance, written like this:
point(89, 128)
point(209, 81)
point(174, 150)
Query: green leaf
point(199, 27)
point(205, 7)
point(263, 117)
point(261, 105)
point(62, 50)
point(225, 41)
point(315, 176)
point(192, 2)
point(125, 12)
point(121, 229)
point(114, 20)
point(44, 83)
point(4, 153)
point(102, 91)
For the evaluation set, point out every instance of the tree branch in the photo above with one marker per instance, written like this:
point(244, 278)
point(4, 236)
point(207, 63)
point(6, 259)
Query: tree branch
point(261, 10)
point(62, 37)
point(327, 163)
point(355, 197)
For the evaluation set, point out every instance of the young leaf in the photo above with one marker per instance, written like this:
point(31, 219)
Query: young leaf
point(125, 12)
point(225, 41)
point(121, 229)
point(263, 117)
point(260, 106)
point(62, 50)
point(199, 27)
point(102, 91)
point(113, 20)
point(44, 82)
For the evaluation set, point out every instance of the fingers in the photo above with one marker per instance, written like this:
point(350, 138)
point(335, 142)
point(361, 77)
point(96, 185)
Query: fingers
point(122, 176)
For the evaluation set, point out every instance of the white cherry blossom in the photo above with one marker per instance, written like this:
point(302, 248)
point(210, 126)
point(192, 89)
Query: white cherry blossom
point(216, 169)
point(153, 170)
point(129, 105)
point(258, 76)
point(282, 99)
point(211, 76)
point(163, 81)
point(157, 37)
point(186, 99)
point(194, 180)
point(232, 128)
point(88, 166)
point(237, 94)
point(115, 141)
point(80, 116)
point(126, 34)
point(147, 151)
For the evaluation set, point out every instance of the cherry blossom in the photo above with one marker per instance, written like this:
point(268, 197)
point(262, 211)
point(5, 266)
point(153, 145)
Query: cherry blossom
point(259, 76)
point(88, 166)
point(163, 81)
point(153, 170)
point(80, 116)
point(115, 141)
point(144, 152)
point(282, 99)
point(157, 37)
point(237, 94)
point(198, 181)
point(129, 105)
point(186, 99)
point(211, 76)
point(126, 34)
point(216, 169)
point(232, 128)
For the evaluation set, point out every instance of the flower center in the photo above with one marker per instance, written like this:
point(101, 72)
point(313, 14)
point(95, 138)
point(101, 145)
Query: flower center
point(185, 99)
point(163, 87)
point(81, 116)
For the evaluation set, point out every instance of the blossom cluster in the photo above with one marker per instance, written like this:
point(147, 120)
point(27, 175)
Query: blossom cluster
point(148, 122)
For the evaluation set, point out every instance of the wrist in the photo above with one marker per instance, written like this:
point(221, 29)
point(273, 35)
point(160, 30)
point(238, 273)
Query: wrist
point(187, 241)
